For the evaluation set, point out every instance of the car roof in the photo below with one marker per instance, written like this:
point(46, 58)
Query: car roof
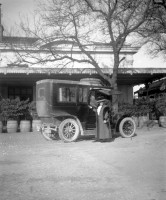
point(71, 82)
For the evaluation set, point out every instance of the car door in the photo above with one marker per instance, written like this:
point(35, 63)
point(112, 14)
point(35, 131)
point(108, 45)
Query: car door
point(82, 103)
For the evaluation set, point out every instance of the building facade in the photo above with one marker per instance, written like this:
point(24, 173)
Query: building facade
point(18, 79)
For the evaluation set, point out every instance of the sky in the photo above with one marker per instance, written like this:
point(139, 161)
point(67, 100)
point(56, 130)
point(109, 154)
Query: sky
point(12, 9)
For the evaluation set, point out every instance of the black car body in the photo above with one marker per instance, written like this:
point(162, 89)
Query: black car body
point(64, 107)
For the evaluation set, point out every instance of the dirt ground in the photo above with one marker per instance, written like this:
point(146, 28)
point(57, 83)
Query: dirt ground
point(124, 169)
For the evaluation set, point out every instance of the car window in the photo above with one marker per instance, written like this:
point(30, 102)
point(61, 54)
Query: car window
point(83, 95)
point(67, 94)
point(41, 94)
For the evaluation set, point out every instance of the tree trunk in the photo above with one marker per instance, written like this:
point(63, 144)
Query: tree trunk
point(114, 85)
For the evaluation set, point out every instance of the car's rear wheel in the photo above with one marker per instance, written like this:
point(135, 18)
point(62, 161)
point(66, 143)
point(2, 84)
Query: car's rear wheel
point(69, 130)
point(127, 127)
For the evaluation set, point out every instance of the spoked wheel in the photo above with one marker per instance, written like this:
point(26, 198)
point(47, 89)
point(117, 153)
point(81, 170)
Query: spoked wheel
point(127, 127)
point(49, 133)
point(69, 130)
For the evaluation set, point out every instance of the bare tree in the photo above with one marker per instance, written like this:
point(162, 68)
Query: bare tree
point(161, 3)
point(158, 33)
point(83, 24)
point(154, 30)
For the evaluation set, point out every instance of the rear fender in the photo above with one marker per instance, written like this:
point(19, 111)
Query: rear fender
point(62, 118)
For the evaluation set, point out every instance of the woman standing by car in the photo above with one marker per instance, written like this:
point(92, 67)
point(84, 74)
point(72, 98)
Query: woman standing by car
point(103, 122)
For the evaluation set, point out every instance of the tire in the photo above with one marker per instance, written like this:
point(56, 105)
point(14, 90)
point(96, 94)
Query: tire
point(69, 130)
point(49, 134)
point(127, 127)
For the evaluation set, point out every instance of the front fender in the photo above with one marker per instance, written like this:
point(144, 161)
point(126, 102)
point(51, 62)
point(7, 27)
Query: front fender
point(117, 121)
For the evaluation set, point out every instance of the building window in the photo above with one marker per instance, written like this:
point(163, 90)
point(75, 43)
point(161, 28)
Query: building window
point(67, 94)
point(21, 92)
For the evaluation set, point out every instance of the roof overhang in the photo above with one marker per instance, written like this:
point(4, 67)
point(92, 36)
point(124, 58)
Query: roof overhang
point(126, 76)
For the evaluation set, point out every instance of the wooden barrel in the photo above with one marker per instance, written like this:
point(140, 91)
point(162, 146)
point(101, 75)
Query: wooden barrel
point(25, 126)
point(36, 123)
point(1, 126)
point(143, 120)
point(162, 121)
point(12, 126)
point(136, 121)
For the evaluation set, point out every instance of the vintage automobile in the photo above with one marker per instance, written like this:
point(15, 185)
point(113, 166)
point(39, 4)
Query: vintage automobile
point(64, 109)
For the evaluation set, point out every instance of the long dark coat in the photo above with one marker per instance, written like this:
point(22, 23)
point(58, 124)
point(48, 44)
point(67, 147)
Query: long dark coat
point(103, 124)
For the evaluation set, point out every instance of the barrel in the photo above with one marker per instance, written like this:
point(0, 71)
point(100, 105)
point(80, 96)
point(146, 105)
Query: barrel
point(25, 126)
point(36, 124)
point(162, 121)
point(12, 126)
point(143, 120)
point(1, 126)
point(136, 120)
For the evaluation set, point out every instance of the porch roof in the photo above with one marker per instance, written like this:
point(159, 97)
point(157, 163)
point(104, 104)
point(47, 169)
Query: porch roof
point(126, 76)
point(35, 70)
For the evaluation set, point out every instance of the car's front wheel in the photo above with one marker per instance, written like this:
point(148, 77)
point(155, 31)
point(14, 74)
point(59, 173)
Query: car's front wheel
point(69, 130)
point(127, 127)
